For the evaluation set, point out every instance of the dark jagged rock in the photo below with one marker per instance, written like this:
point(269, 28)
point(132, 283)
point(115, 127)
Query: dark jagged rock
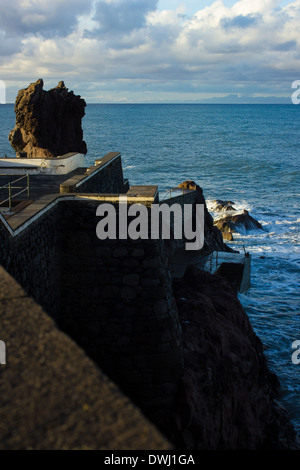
point(227, 395)
point(48, 123)
point(220, 205)
point(227, 236)
point(224, 207)
point(237, 222)
point(213, 239)
point(223, 203)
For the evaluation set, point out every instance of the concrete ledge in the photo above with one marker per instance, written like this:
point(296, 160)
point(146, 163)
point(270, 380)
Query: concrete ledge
point(17, 222)
point(52, 396)
point(71, 184)
point(62, 164)
point(144, 192)
point(108, 157)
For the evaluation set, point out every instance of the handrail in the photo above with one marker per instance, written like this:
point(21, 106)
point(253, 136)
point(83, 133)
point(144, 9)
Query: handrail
point(10, 188)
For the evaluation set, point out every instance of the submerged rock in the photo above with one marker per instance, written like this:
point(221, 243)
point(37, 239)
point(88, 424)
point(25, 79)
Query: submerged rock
point(48, 123)
point(237, 222)
point(220, 205)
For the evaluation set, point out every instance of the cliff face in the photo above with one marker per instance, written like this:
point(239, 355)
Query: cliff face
point(213, 239)
point(48, 123)
point(224, 396)
point(227, 395)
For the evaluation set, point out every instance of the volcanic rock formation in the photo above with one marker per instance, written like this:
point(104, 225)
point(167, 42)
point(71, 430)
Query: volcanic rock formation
point(227, 397)
point(237, 222)
point(213, 239)
point(220, 205)
point(48, 123)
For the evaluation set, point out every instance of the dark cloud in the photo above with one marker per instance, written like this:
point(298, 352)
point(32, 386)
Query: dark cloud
point(122, 16)
point(286, 46)
point(8, 45)
point(240, 21)
point(48, 19)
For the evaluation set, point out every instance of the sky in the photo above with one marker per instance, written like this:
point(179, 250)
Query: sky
point(153, 51)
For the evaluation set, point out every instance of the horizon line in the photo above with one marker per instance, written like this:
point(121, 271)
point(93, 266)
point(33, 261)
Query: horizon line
point(174, 103)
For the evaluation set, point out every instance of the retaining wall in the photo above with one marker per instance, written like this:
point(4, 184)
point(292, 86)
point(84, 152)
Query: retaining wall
point(113, 297)
point(105, 177)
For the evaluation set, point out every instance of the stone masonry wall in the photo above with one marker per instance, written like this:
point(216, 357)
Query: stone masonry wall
point(105, 177)
point(32, 258)
point(105, 180)
point(113, 297)
point(117, 303)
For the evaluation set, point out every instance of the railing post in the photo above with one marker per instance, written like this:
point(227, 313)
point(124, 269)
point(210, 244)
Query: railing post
point(9, 196)
point(28, 189)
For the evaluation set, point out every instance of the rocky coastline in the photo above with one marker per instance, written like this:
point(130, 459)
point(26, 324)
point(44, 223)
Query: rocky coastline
point(228, 398)
point(48, 122)
point(231, 221)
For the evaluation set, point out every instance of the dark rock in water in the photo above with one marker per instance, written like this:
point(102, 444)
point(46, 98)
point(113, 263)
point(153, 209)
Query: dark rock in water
point(213, 239)
point(220, 205)
point(48, 123)
point(224, 207)
point(228, 396)
point(223, 203)
point(228, 236)
point(237, 222)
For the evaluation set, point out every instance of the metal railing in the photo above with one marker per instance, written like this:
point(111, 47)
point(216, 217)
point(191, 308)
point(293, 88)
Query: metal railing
point(10, 187)
point(169, 193)
point(213, 255)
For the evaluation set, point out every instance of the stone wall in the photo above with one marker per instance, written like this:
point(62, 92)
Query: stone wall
point(32, 258)
point(105, 177)
point(52, 396)
point(117, 303)
point(181, 200)
point(113, 297)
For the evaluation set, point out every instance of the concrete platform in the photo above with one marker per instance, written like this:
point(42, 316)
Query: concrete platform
point(235, 267)
point(40, 185)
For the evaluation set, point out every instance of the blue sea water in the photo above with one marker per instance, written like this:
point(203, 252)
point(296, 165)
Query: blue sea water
point(249, 154)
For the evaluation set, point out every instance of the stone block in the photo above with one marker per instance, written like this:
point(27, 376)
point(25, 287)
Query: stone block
point(131, 280)
point(128, 293)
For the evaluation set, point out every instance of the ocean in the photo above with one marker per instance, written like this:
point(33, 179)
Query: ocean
point(248, 154)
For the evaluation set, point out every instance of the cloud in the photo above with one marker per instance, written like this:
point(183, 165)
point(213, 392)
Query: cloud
point(286, 46)
point(108, 48)
point(46, 18)
point(240, 21)
point(117, 17)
